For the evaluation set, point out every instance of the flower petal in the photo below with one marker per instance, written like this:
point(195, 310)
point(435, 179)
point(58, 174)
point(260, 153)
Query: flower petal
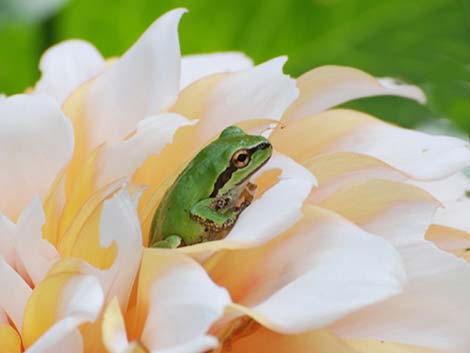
point(226, 99)
point(11, 282)
point(170, 325)
point(7, 240)
point(328, 86)
point(417, 154)
point(454, 194)
point(432, 311)
point(35, 139)
point(324, 264)
point(256, 336)
point(57, 306)
point(336, 170)
point(370, 346)
point(195, 67)
point(450, 239)
point(125, 157)
point(438, 283)
point(36, 254)
point(67, 65)
point(10, 340)
point(142, 82)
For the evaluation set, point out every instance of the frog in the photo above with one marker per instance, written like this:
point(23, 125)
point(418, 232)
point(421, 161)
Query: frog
point(206, 199)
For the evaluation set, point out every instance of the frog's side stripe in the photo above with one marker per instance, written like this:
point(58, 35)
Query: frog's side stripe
point(225, 176)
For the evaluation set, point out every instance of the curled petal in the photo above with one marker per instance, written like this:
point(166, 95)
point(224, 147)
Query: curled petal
point(328, 86)
point(255, 335)
point(431, 312)
point(416, 154)
point(226, 99)
point(142, 82)
point(36, 254)
point(336, 170)
point(454, 195)
point(123, 159)
point(67, 65)
point(164, 284)
point(11, 282)
point(35, 139)
point(194, 67)
point(319, 271)
point(57, 307)
point(10, 340)
point(449, 239)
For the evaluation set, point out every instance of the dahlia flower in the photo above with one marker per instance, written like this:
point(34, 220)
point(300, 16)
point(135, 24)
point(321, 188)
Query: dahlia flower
point(355, 242)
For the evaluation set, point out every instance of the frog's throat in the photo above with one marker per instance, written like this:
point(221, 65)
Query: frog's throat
point(225, 176)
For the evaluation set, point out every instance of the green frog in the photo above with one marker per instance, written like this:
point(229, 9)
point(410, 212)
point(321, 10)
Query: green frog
point(206, 199)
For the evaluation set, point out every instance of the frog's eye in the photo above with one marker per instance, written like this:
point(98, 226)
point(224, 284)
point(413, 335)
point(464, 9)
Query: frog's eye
point(241, 158)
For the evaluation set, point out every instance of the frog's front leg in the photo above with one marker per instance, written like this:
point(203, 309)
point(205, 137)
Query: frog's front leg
point(170, 242)
point(210, 213)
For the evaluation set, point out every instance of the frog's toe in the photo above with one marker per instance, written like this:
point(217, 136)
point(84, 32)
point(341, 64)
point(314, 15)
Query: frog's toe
point(170, 242)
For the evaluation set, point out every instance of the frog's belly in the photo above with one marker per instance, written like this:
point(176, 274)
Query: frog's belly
point(182, 225)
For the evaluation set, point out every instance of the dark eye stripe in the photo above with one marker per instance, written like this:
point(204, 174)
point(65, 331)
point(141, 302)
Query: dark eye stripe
point(227, 173)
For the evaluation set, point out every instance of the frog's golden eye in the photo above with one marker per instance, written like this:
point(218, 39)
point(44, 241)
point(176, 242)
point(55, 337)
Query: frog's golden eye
point(241, 158)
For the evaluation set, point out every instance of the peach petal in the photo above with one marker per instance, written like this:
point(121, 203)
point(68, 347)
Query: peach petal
point(9, 339)
point(431, 312)
point(336, 170)
point(436, 289)
point(11, 282)
point(418, 155)
point(449, 239)
point(370, 346)
point(56, 308)
point(62, 337)
point(256, 336)
point(226, 99)
point(454, 195)
point(35, 139)
point(7, 240)
point(328, 86)
point(54, 204)
point(124, 158)
point(326, 265)
point(142, 82)
point(399, 212)
point(165, 279)
point(67, 65)
point(195, 67)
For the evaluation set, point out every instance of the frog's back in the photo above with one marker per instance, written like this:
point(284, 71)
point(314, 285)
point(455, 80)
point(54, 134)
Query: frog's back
point(173, 216)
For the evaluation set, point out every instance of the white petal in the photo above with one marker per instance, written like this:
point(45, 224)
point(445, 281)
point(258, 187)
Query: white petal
point(281, 205)
point(120, 224)
point(36, 253)
point(36, 142)
point(142, 82)
point(263, 91)
point(122, 159)
point(433, 311)
point(328, 86)
point(194, 67)
point(81, 301)
point(453, 193)
point(178, 322)
point(7, 240)
point(67, 65)
point(11, 282)
point(322, 270)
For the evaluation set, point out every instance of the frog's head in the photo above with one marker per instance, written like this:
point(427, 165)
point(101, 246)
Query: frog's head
point(239, 156)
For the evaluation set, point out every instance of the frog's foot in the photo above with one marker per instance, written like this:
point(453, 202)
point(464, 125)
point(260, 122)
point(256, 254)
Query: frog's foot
point(215, 221)
point(170, 242)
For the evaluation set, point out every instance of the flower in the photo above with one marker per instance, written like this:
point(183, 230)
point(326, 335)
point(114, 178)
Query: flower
point(332, 255)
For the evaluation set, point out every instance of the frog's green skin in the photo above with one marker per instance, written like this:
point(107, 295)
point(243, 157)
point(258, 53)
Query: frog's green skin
point(207, 197)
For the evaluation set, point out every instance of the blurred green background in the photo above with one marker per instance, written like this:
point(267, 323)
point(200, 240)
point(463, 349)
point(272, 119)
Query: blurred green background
point(425, 42)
